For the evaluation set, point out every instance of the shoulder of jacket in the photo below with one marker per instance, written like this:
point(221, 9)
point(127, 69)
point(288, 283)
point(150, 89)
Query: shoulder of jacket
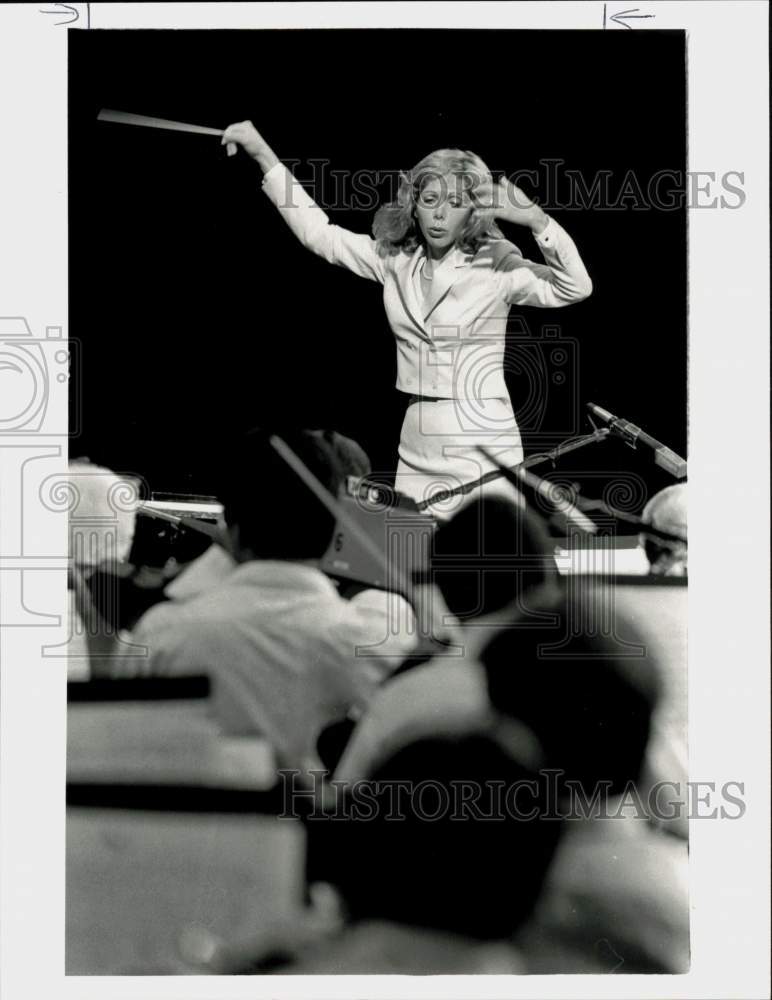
point(499, 255)
point(395, 262)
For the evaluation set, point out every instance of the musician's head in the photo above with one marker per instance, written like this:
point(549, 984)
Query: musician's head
point(588, 698)
point(490, 555)
point(436, 863)
point(666, 511)
point(269, 510)
point(442, 202)
point(352, 457)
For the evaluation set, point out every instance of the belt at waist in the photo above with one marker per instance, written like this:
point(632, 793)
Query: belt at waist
point(428, 399)
point(447, 399)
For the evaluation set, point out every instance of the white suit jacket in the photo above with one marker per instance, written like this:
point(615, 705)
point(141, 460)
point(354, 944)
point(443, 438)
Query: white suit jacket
point(450, 345)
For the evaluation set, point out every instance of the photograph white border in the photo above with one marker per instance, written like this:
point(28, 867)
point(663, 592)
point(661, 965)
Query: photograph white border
point(728, 486)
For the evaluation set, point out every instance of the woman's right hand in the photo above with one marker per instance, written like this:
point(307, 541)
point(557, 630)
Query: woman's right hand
point(246, 135)
point(512, 204)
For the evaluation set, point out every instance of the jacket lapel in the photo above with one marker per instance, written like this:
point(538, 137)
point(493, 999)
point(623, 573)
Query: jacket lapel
point(444, 278)
point(407, 295)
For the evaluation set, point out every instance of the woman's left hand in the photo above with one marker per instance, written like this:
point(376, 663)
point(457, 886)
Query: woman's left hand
point(512, 204)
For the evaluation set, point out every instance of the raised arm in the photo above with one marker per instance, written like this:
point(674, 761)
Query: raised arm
point(562, 279)
point(246, 135)
point(355, 251)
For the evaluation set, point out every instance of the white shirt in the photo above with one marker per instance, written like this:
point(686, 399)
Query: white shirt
point(286, 654)
point(443, 697)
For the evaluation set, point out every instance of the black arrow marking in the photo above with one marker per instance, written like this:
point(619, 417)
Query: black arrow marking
point(626, 15)
point(65, 8)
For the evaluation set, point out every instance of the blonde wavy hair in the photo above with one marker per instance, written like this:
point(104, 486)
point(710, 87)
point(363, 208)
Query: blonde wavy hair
point(395, 227)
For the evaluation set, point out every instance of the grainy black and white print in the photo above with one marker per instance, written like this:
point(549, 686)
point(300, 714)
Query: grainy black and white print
point(376, 495)
point(392, 612)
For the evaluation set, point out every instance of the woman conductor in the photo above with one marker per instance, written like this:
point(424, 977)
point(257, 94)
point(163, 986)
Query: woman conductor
point(449, 278)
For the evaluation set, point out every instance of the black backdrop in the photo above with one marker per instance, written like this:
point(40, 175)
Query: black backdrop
point(199, 314)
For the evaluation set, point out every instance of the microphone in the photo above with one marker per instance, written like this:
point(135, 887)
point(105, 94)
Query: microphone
point(664, 457)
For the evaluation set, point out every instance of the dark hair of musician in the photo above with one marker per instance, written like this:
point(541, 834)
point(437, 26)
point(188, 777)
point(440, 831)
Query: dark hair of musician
point(588, 697)
point(489, 554)
point(434, 860)
point(350, 454)
point(270, 512)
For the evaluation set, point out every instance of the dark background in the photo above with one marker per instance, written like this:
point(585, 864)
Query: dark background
point(200, 315)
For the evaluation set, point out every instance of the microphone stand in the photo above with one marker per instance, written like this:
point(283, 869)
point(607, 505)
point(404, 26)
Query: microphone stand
point(574, 444)
point(581, 503)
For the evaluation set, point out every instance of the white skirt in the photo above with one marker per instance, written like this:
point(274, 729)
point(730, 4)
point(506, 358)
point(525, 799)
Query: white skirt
point(438, 449)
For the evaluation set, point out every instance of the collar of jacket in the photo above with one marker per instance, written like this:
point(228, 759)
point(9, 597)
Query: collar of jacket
point(445, 275)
